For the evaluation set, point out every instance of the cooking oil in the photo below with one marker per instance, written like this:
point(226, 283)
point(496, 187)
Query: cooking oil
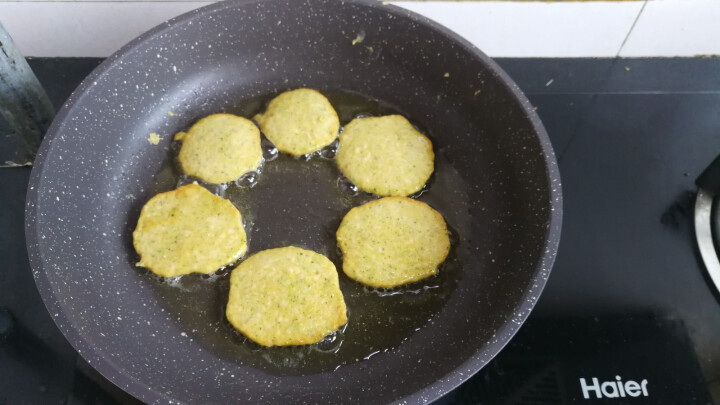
point(300, 202)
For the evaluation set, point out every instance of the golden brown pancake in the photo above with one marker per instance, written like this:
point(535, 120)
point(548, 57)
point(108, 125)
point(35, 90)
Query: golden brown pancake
point(220, 148)
point(188, 230)
point(385, 155)
point(392, 241)
point(286, 296)
point(299, 122)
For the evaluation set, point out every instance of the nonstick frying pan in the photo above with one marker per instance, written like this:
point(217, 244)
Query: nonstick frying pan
point(496, 183)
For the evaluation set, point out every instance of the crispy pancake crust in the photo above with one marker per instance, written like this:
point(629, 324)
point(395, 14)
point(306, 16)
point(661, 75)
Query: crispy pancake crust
point(220, 148)
point(299, 122)
point(385, 155)
point(392, 241)
point(286, 296)
point(188, 230)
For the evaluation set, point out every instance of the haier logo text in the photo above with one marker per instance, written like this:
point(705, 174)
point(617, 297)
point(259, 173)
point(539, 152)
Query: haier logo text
point(613, 389)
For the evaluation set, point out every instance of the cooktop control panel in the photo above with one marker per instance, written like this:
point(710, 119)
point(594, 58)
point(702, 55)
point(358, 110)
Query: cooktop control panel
point(613, 360)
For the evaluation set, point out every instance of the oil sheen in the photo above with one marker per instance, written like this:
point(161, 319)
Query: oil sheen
point(300, 202)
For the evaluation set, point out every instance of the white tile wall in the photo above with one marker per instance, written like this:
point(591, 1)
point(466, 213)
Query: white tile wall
point(41, 28)
point(676, 28)
point(500, 28)
point(569, 29)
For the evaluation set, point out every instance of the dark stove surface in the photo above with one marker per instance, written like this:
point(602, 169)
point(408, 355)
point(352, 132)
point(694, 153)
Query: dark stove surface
point(631, 136)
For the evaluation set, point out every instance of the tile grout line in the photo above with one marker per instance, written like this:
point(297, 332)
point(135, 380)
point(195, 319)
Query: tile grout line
point(632, 28)
point(561, 153)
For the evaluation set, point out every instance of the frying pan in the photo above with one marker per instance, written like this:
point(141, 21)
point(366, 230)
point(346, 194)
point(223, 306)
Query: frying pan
point(496, 183)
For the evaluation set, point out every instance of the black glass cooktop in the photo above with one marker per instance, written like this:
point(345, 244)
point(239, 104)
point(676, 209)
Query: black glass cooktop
point(628, 315)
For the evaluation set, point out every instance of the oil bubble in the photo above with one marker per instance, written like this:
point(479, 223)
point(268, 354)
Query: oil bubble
point(248, 180)
point(332, 342)
point(419, 193)
point(175, 282)
point(409, 289)
point(329, 151)
point(269, 150)
point(217, 189)
point(347, 187)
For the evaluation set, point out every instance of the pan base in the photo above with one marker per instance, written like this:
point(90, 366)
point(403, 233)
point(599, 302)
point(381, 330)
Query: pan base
point(300, 202)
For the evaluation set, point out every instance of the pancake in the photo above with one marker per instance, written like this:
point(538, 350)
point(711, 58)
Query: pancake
point(299, 122)
point(286, 296)
point(392, 241)
point(188, 230)
point(385, 155)
point(220, 148)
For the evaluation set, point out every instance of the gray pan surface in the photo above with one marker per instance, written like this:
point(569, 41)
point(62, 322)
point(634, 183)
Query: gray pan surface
point(496, 183)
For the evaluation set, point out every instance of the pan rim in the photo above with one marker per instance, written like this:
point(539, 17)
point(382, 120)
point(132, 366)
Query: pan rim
point(429, 393)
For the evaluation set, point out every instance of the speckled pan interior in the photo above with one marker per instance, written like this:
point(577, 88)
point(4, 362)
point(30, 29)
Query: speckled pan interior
point(96, 167)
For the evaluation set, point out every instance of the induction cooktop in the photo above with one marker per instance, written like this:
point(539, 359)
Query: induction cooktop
point(631, 313)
